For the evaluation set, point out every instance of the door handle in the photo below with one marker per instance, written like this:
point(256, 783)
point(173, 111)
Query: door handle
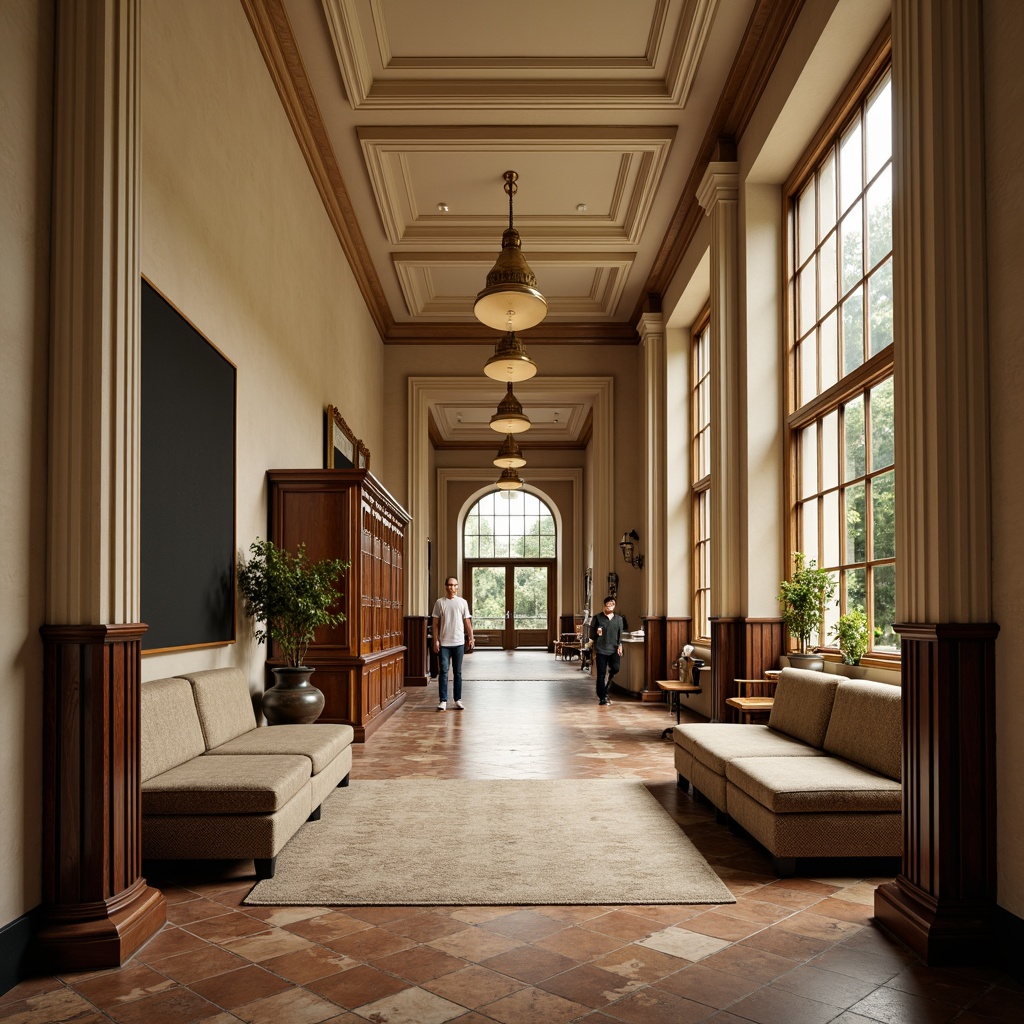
point(508, 615)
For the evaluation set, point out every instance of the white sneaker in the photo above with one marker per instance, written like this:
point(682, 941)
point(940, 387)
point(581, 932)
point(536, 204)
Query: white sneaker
point(443, 706)
point(460, 705)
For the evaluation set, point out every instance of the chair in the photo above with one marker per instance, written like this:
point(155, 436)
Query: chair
point(689, 682)
point(756, 697)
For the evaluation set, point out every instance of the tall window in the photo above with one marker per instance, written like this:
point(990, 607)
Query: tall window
point(521, 526)
point(700, 483)
point(842, 451)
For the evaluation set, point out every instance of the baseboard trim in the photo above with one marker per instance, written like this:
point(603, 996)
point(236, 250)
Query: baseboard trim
point(15, 951)
point(1009, 951)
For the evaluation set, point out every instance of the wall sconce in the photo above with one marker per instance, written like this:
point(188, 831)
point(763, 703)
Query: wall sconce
point(628, 545)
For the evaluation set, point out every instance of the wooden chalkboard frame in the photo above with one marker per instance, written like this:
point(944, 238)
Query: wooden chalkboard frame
point(187, 483)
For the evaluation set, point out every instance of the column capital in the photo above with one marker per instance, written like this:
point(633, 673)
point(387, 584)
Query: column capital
point(650, 324)
point(721, 182)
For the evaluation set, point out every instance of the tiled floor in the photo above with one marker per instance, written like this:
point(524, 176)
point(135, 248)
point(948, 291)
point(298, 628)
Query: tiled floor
point(798, 951)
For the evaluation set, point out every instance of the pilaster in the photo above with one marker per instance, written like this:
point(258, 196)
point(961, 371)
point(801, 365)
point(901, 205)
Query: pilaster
point(943, 902)
point(652, 343)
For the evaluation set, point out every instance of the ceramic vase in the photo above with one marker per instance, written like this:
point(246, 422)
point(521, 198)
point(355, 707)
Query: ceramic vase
point(293, 699)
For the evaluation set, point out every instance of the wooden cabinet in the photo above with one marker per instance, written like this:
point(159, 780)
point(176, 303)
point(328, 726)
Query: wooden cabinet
point(347, 513)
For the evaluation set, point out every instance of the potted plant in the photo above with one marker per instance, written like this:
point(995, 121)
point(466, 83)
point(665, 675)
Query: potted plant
point(291, 596)
point(852, 634)
point(803, 598)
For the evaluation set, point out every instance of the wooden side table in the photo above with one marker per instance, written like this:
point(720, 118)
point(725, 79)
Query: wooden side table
point(674, 688)
point(751, 707)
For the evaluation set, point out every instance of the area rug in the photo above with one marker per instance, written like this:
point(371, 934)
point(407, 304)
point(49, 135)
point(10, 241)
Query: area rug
point(519, 842)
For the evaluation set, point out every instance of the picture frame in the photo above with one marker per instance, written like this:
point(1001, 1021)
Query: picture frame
point(342, 449)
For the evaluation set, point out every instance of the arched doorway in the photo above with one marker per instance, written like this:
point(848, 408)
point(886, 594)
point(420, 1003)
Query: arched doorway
point(509, 544)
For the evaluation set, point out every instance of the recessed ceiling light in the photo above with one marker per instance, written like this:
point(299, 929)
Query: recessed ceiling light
point(442, 207)
point(581, 207)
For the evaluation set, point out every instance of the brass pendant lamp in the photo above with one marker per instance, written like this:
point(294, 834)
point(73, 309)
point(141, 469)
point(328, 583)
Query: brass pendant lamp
point(510, 361)
point(510, 301)
point(509, 480)
point(510, 418)
point(509, 455)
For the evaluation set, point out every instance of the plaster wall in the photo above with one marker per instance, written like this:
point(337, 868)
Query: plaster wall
point(26, 119)
point(1003, 33)
point(235, 235)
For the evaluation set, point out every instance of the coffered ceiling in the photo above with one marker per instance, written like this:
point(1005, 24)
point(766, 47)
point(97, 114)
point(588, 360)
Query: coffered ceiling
point(409, 112)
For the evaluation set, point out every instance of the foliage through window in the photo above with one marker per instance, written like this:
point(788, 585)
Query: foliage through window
point(841, 423)
point(520, 527)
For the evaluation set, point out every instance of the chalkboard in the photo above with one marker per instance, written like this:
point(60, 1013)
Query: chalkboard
point(187, 483)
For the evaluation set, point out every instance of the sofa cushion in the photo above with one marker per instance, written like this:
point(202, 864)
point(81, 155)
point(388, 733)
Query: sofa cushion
point(716, 743)
point(224, 705)
point(811, 785)
point(253, 784)
point(867, 726)
point(170, 732)
point(320, 743)
point(803, 704)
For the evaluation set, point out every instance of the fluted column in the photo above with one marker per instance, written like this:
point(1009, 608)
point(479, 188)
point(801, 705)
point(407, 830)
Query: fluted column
point(718, 194)
point(97, 908)
point(942, 902)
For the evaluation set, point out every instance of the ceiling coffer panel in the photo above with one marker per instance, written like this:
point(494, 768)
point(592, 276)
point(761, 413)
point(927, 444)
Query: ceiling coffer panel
point(405, 54)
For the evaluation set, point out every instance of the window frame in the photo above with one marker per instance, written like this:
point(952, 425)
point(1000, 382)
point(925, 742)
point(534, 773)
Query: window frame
point(700, 487)
point(875, 370)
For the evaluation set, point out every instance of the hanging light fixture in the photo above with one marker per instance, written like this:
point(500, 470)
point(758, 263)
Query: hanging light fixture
point(511, 301)
point(509, 480)
point(510, 418)
point(509, 455)
point(510, 361)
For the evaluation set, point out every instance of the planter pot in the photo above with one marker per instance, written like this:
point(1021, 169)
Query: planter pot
point(293, 699)
point(815, 662)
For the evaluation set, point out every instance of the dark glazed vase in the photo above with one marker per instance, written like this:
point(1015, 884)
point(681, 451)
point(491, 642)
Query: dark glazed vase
point(293, 699)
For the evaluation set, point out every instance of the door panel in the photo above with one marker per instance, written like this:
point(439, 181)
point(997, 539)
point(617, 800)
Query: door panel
point(511, 603)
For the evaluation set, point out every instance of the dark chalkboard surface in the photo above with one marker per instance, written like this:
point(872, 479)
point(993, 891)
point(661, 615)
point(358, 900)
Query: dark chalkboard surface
point(188, 483)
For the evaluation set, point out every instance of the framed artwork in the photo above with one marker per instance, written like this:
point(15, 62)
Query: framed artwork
point(342, 449)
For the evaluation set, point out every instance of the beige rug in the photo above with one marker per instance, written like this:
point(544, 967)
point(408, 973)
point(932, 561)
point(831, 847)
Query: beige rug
point(520, 842)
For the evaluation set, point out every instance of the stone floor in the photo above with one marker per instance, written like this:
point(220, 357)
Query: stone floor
point(795, 951)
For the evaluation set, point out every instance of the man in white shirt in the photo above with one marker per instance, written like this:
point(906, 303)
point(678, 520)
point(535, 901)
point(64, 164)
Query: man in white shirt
point(453, 632)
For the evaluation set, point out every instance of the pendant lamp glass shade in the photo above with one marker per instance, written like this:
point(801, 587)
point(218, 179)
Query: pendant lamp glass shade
point(509, 455)
point(509, 480)
point(510, 361)
point(510, 301)
point(510, 418)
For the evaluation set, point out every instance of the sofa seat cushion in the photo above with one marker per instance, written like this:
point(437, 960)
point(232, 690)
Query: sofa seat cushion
point(807, 785)
point(320, 743)
point(715, 744)
point(224, 704)
point(170, 729)
point(239, 784)
point(803, 704)
point(867, 726)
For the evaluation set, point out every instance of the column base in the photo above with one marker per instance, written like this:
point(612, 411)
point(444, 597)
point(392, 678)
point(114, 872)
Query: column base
point(93, 936)
point(943, 933)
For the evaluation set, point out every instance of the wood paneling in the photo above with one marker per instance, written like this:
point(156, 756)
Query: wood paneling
point(728, 653)
point(942, 903)
point(347, 513)
point(655, 654)
point(766, 640)
point(97, 908)
point(417, 664)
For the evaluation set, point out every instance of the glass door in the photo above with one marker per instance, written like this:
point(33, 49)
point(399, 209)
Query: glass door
point(511, 603)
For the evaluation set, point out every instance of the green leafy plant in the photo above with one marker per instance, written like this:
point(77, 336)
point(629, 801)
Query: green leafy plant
point(853, 636)
point(291, 595)
point(803, 598)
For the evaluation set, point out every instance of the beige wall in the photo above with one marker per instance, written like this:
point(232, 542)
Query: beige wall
point(26, 101)
point(234, 234)
point(1004, 155)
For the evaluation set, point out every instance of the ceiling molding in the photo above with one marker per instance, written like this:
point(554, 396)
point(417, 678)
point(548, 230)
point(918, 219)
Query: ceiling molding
point(274, 36)
point(660, 76)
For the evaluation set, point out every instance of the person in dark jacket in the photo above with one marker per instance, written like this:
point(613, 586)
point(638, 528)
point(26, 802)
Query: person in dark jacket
point(606, 629)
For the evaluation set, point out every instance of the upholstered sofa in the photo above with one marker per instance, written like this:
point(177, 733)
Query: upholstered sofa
point(215, 786)
point(821, 779)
